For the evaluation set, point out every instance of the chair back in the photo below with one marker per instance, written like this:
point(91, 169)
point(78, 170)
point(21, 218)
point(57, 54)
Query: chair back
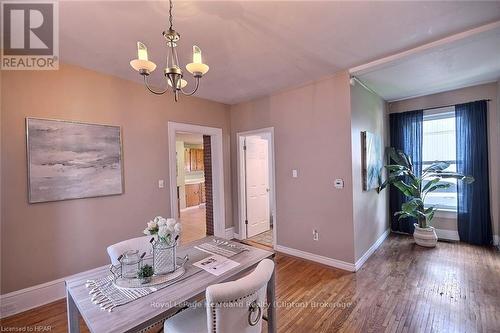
point(139, 243)
point(238, 306)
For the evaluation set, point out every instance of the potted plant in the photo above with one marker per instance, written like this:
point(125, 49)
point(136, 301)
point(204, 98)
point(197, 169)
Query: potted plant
point(145, 274)
point(416, 188)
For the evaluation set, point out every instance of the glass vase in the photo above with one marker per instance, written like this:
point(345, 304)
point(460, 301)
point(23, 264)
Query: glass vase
point(163, 257)
point(130, 264)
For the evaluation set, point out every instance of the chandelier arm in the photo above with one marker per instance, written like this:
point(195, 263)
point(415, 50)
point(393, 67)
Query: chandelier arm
point(195, 88)
point(153, 91)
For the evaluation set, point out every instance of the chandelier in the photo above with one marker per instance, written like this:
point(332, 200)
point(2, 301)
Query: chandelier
point(172, 72)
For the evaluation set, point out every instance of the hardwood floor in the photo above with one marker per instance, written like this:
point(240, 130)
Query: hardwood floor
point(401, 288)
point(193, 224)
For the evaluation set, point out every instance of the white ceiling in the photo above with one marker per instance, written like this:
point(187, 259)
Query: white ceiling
point(462, 60)
point(255, 48)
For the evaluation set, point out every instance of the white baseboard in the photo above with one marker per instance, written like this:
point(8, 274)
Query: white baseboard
point(32, 297)
point(372, 249)
point(317, 258)
point(230, 233)
point(29, 298)
point(447, 234)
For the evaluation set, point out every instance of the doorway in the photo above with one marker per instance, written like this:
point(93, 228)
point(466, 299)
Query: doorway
point(196, 178)
point(191, 185)
point(256, 195)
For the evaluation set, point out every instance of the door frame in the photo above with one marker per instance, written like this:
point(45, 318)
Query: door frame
point(217, 171)
point(269, 132)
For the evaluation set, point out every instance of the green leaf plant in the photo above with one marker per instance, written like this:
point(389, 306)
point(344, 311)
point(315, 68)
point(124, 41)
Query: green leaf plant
point(145, 272)
point(400, 174)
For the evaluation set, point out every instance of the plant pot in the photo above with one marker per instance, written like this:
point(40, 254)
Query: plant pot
point(425, 236)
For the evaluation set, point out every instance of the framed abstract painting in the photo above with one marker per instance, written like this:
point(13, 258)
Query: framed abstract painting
point(372, 160)
point(72, 160)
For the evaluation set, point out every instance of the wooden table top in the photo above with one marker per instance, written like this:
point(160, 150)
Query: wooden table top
point(153, 307)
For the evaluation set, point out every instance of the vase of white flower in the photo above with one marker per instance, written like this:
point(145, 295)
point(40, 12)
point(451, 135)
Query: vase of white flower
point(163, 257)
point(166, 232)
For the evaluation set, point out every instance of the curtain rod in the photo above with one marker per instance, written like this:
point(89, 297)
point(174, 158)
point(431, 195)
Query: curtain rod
point(437, 107)
point(352, 77)
point(446, 106)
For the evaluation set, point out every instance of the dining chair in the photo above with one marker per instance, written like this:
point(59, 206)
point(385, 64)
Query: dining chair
point(139, 243)
point(236, 306)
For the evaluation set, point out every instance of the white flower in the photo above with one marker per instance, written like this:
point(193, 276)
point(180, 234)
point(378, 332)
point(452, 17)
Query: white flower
point(161, 221)
point(170, 225)
point(152, 225)
point(171, 222)
point(163, 231)
point(157, 219)
point(178, 228)
point(146, 232)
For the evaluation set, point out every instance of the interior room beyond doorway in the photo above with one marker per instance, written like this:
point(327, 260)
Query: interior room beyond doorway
point(191, 186)
point(256, 183)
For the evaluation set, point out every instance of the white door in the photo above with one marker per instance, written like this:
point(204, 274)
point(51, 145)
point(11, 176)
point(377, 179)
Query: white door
point(257, 185)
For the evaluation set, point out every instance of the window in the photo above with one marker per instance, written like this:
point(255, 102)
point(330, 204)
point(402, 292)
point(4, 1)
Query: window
point(439, 144)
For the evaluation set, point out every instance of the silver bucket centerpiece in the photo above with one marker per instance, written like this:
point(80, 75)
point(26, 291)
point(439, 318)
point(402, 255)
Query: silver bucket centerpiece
point(164, 260)
point(166, 233)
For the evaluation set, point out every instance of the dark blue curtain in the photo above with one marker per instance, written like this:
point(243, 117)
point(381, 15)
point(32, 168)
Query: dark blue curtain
point(406, 135)
point(474, 220)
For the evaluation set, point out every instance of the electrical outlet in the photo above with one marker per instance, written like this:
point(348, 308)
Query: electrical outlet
point(161, 183)
point(315, 235)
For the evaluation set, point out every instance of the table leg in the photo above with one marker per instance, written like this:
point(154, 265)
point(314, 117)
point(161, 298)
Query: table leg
point(271, 299)
point(73, 319)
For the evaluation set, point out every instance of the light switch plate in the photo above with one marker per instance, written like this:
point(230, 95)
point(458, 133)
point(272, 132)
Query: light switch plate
point(161, 183)
point(295, 173)
point(339, 183)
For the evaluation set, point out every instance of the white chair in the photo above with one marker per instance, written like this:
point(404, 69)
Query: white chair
point(236, 306)
point(139, 243)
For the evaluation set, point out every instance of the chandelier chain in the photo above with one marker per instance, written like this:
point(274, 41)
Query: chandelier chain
point(170, 14)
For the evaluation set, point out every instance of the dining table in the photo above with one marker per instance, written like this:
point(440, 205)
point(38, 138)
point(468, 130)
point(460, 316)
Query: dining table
point(149, 312)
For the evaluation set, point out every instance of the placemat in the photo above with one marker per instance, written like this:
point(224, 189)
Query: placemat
point(107, 295)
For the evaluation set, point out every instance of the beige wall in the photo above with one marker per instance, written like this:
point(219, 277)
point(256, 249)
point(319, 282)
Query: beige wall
point(370, 209)
point(485, 91)
point(45, 241)
point(315, 115)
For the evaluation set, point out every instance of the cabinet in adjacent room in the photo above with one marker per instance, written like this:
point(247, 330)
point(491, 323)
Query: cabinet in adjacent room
point(193, 159)
point(195, 194)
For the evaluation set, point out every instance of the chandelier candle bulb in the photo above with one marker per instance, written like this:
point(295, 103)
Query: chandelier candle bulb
point(142, 63)
point(197, 55)
point(180, 83)
point(142, 51)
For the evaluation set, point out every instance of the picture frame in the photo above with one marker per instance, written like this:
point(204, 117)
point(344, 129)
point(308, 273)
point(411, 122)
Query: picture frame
point(69, 160)
point(372, 160)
